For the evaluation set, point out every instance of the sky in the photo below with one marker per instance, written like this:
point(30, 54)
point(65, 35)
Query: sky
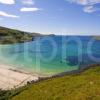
point(67, 17)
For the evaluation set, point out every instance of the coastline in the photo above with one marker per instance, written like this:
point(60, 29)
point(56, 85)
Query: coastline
point(13, 78)
point(78, 71)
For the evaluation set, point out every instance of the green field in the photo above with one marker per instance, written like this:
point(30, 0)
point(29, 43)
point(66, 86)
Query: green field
point(9, 36)
point(84, 86)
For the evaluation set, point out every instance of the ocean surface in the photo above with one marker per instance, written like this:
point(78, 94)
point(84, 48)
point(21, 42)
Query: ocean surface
point(51, 55)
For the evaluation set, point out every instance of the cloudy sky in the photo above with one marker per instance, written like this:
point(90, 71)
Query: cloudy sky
point(81, 17)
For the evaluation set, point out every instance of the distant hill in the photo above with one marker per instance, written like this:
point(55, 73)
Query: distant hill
point(96, 37)
point(8, 36)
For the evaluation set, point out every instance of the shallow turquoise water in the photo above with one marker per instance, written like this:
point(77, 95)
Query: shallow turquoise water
point(51, 54)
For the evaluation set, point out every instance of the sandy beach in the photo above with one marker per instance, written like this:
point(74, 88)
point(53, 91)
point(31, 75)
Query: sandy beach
point(13, 78)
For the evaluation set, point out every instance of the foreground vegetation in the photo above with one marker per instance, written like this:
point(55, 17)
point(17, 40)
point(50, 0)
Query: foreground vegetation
point(83, 86)
point(8, 36)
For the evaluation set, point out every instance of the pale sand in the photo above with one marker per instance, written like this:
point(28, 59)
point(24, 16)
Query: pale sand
point(12, 78)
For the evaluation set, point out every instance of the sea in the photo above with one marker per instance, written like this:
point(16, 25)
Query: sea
point(52, 54)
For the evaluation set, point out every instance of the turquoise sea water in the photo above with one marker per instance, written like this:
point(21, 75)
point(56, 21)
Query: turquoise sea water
point(52, 54)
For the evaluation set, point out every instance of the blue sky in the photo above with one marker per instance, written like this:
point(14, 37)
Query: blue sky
point(75, 17)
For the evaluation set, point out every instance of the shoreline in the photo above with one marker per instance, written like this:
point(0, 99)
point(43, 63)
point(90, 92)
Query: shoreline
point(78, 71)
point(11, 78)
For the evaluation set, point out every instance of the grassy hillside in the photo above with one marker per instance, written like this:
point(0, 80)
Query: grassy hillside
point(84, 86)
point(96, 37)
point(15, 36)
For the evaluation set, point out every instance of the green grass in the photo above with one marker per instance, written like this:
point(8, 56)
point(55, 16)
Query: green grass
point(8, 36)
point(84, 86)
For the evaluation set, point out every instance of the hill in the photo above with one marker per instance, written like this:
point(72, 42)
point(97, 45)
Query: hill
point(83, 86)
point(15, 36)
point(96, 37)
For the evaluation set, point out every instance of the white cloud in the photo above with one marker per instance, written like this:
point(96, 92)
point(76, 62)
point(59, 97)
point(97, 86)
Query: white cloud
point(7, 1)
point(4, 14)
point(27, 2)
point(26, 9)
point(84, 2)
point(89, 9)
point(88, 5)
